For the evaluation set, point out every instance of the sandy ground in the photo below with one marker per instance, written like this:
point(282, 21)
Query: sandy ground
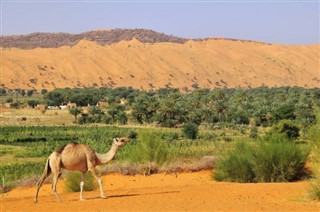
point(208, 64)
point(184, 192)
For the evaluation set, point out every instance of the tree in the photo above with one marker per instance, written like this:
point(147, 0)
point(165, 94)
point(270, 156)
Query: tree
point(30, 93)
point(75, 111)
point(190, 130)
point(44, 91)
point(285, 111)
point(145, 108)
point(33, 103)
point(3, 92)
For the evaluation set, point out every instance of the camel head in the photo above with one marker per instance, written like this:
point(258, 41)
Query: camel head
point(120, 141)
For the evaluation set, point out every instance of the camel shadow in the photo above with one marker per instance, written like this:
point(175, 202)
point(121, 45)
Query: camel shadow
point(131, 195)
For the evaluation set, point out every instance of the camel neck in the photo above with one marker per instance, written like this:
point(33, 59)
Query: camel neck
point(105, 158)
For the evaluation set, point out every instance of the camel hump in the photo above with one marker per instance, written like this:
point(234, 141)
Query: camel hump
point(64, 146)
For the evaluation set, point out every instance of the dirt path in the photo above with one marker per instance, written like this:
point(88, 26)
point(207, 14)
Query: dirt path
point(186, 192)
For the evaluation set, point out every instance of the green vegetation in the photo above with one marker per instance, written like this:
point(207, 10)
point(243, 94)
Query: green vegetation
point(72, 182)
point(254, 135)
point(190, 130)
point(31, 145)
point(272, 159)
point(314, 136)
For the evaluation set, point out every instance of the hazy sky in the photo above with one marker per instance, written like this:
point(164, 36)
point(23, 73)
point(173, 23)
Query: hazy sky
point(286, 22)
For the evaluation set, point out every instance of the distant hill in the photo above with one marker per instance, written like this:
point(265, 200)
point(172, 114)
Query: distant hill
point(145, 59)
point(102, 37)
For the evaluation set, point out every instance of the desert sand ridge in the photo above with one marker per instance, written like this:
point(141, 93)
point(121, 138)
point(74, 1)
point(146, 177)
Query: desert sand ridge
point(187, 64)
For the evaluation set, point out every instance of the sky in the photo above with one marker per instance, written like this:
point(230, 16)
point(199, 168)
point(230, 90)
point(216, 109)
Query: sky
point(284, 22)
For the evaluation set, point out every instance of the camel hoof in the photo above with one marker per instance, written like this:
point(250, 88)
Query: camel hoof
point(103, 197)
point(82, 199)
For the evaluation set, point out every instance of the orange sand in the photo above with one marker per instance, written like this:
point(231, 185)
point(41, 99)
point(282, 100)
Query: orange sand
point(160, 192)
point(209, 63)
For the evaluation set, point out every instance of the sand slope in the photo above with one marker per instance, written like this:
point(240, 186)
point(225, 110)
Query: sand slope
point(186, 192)
point(207, 63)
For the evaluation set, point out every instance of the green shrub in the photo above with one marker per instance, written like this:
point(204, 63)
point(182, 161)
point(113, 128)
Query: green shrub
point(314, 136)
point(314, 189)
point(149, 148)
point(235, 165)
point(265, 161)
point(72, 183)
point(278, 161)
point(288, 128)
point(190, 130)
point(254, 132)
point(132, 134)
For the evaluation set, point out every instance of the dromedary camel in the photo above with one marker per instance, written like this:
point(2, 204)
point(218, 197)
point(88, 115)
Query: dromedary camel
point(77, 157)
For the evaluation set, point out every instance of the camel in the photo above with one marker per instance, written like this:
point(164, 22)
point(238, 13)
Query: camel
point(77, 157)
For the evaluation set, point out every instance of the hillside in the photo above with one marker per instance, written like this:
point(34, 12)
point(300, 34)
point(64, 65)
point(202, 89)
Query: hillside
point(102, 37)
point(178, 63)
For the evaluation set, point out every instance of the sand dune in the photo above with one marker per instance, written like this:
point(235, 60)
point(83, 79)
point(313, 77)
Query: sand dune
point(207, 63)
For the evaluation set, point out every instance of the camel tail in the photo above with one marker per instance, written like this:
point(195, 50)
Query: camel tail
point(47, 168)
point(46, 173)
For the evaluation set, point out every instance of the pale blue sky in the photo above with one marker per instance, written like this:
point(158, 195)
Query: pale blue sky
point(286, 22)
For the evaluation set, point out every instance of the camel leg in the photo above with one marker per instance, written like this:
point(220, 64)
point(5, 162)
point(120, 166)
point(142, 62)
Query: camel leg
point(93, 171)
point(54, 185)
point(39, 184)
point(82, 184)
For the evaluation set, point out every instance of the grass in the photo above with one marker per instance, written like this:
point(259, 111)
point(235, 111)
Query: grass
point(314, 135)
point(72, 182)
point(165, 147)
point(33, 117)
point(275, 160)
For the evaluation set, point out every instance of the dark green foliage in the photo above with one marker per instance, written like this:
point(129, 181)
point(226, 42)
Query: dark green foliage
point(3, 92)
point(288, 128)
point(44, 91)
point(33, 103)
point(190, 130)
point(285, 111)
point(9, 100)
point(170, 108)
point(75, 111)
point(30, 92)
point(132, 134)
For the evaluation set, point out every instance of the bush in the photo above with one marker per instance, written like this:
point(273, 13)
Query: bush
point(73, 182)
point(132, 134)
point(149, 149)
point(314, 136)
point(235, 165)
point(266, 161)
point(288, 128)
point(314, 189)
point(190, 130)
point(278, 161)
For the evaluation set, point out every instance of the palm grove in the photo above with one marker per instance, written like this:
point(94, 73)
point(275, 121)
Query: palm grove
point(170, 108)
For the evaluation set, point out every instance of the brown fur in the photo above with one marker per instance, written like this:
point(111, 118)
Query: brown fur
point(77, 157)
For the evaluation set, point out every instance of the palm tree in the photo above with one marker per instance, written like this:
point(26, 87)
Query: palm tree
point(75, 111)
